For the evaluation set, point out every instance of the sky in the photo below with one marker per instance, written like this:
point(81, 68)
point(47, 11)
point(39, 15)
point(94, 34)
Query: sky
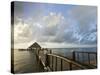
point(54, 25)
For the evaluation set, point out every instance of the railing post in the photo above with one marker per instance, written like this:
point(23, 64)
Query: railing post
point(74, 56)
point(56, 64)
point(52, 63)
point(61, 64)
point(50, 51)
point(83, 57)
point(70, 66)
point(47, 60)
point(88, 58)
point(78, 57)
point(96, 59)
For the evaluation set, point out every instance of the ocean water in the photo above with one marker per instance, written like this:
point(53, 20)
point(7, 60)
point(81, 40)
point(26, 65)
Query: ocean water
point(25, 62)
point(67, 52)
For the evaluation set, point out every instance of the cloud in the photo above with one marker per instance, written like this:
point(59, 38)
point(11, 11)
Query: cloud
point(47, 28)
point(84, 25)
point(22, 33)
point(52, 19)
point(85, 16)
point(79, 27)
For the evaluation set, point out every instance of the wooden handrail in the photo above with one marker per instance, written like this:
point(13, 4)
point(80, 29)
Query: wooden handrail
point(85, 52)
point(67, 60)
point(47, 64)
point(76, 57)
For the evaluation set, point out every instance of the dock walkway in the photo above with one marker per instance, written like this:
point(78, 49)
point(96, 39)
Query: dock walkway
point(28, 64)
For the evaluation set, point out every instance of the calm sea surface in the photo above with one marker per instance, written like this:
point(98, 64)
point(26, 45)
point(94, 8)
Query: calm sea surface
point(25, 62)
point(67, 52)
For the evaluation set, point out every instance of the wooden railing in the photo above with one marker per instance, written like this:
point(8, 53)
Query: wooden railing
point(87, 58)
point(56, 62)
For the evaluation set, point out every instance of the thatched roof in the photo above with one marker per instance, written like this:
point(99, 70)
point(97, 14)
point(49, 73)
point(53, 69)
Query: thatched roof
point(35, 45)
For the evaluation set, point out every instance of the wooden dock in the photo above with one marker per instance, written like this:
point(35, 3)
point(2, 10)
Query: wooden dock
point(44, 60)
point(55, 62)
